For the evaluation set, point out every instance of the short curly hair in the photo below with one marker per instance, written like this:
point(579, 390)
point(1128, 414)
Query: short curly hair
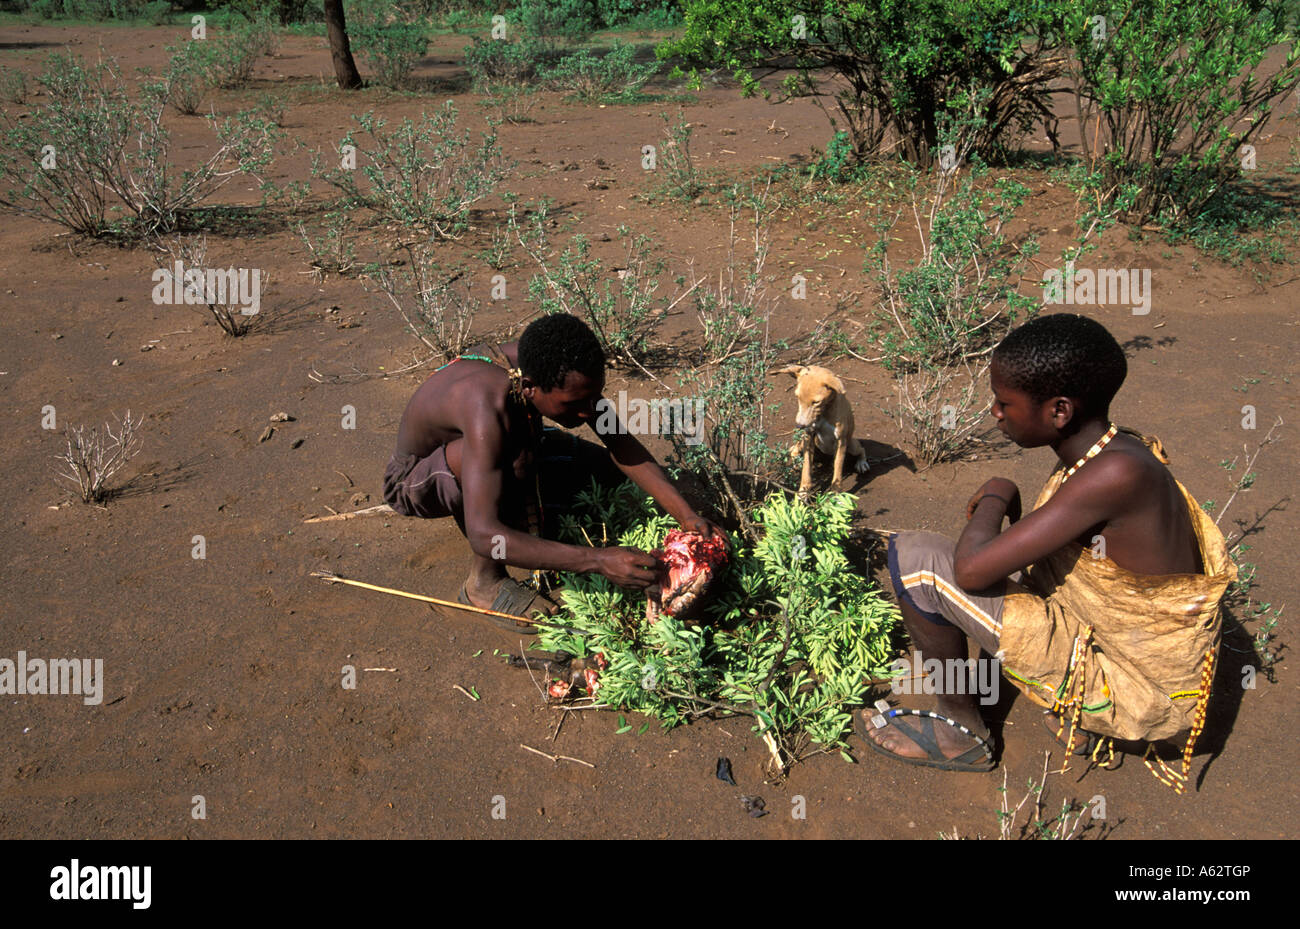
point(554, 345)
point(1063, 355)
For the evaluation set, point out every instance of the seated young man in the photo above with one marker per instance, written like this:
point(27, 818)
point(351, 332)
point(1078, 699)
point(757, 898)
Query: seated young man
point(1114, 624)
point(471, 445)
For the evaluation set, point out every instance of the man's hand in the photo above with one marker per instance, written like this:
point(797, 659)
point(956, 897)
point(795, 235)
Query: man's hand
point(698, 524)
point(627, 567)
point(1002, 488)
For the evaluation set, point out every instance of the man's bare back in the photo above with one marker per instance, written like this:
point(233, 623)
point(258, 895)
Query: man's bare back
point(1150, 531)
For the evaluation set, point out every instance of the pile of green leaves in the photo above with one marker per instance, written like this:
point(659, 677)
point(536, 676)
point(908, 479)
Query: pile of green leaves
point(798, 680)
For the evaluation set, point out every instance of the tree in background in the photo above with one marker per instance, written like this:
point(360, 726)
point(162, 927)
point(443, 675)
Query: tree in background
point(345, 69)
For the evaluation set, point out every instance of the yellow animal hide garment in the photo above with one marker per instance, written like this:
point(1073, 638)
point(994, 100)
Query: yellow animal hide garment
point(1125, 650)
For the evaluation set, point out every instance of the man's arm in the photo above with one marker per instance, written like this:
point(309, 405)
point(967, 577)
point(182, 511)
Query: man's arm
point(1093, 496)
point(634, 460)
point(482, 483)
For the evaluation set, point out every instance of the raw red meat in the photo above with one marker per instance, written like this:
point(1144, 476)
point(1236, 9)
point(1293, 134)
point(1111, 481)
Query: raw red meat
point(688, 562)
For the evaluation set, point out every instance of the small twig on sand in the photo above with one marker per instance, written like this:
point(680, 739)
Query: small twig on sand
point(738, 710)
point(1241, 484)
point(368, 511)
point(465, 692)
point(360, 375)
point(528, 667)
point(555, 757)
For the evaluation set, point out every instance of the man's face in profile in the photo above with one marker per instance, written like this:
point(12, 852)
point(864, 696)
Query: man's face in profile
point(1020, 418)
point(573, 402)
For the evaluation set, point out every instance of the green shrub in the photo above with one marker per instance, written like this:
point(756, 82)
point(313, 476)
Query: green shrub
point(643, 14)
point(284, 12)
point(960, 297)
point(837, 162)
point(86, 123)
point(498, 61)
point(681, 177)
point(393, 38)
point(557, 23)
point(941, 316)
point(225, 60)
point(1168, 97)
point(112, 151)
point(437, 312)
point(791, 632)
point(13, 86)
point(334, 250)
point(738, 462)
point(191, 73)
point(422, 176)
point(893, 64)
point(102, 9)
point(591, 78)
point(157, 194)
point(513, 102)
point(624, 318)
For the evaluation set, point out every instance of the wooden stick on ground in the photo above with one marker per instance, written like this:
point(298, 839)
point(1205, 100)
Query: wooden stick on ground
point(368, 511)
point(555, 757)
point(333, 578)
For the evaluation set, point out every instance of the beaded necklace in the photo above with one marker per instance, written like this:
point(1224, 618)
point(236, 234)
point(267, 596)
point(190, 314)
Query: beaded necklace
point(1092, 452)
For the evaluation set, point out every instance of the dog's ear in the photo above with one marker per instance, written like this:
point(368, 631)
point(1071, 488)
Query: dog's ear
point(836, 384)
point(792, 370)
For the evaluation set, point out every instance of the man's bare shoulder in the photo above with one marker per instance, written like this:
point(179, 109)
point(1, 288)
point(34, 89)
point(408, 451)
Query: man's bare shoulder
point(464, 399)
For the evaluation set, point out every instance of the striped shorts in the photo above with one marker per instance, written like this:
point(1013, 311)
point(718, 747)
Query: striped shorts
point(921, 566)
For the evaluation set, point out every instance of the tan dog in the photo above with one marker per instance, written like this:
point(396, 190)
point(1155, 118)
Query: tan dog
point(826, 419)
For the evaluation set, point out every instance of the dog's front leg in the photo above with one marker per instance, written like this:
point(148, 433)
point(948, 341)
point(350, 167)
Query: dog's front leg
point(840, 448)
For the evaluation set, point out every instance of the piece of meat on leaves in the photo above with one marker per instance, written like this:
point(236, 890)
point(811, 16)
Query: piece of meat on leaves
point(688, 564)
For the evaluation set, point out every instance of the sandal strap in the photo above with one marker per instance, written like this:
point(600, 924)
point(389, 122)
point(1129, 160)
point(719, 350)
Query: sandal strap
point(923, 735)
point(927, 720)
point(509, 598)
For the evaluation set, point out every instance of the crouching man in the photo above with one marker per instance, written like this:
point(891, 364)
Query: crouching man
point(1113, 624)
point(471, 445)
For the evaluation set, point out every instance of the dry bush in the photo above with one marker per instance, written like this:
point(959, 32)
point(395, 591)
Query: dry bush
point(440, 314)
point(939, 408)
point(192, 253)
point(735, 311)
point(93, 459)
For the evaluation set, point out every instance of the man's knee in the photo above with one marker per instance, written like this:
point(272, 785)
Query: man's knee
point(922, 552)
point(916, 561)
